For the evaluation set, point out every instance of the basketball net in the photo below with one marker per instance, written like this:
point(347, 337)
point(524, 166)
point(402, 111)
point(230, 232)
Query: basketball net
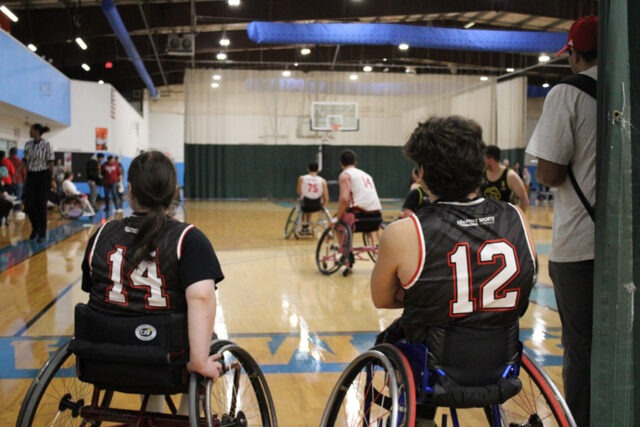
point(335, 127)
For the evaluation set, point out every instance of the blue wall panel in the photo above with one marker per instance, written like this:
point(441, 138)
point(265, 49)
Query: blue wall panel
point(29, 83)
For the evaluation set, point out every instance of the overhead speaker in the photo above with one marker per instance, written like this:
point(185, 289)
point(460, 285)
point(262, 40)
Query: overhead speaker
point(181, 44)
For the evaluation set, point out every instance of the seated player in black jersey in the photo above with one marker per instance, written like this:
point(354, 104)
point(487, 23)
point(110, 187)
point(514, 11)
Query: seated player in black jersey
point(417, 197)
point(463, 260)
point(149, 263)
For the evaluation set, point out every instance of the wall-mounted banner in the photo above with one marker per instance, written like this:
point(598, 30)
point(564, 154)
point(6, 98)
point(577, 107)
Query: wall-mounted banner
point(102, 136)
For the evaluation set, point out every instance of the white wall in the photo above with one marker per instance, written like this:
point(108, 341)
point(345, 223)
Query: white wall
point(94, 106)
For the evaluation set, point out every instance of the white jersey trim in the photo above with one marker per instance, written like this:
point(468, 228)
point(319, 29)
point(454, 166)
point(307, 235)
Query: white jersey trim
point(95, 242)
point(184, 233)
point(421, 256)
point(471, 203)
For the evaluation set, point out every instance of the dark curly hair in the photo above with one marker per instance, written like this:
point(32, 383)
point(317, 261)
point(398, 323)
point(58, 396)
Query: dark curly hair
point(451, 151)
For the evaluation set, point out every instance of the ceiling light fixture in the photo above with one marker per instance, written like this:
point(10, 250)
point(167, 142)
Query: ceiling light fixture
point(221, 56)
point(367, 68)
point(295, 64)
point(305, 51)
point(32, 47)
point(81, 43)
point(217, 77)
point(9, 14)
point(545, 85)
point(544, 58)
point(403, 46)
point(224, 41)
point(469, 25)
point(353, 77)
point(484, 78)
point(233, 2)
point(286, 73)
point(85, 67)
point(100, 82)
point(215, 85)
point(510, 70)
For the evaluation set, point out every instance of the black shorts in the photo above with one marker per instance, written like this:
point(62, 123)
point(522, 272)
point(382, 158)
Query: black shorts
point(367, 221)
point(311, 205)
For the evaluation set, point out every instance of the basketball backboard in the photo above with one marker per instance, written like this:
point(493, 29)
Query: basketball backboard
point(334, 116)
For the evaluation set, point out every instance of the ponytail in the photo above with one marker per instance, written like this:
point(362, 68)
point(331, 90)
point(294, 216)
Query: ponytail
point(152, 177)
point(149, 231)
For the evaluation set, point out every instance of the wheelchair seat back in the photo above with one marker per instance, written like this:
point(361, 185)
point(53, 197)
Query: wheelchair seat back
point(466, 367)
point(367, 221)
point(131, 354)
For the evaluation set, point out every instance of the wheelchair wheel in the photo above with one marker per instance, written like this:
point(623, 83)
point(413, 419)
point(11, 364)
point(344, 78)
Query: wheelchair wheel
point(329, 257)
point(539, 403)
point(56, 394)
point(372, 240)
point(290, 225)
point(71, 208)
point(377, 388)
point(240, 397)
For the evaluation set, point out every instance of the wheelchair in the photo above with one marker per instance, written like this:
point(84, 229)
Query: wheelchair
point(389, 384)
point(71, 207)
point(335, 246)
point(108, 375)
point(295, 226)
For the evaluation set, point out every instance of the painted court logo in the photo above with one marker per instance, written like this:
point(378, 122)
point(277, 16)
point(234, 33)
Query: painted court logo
point(146, 332)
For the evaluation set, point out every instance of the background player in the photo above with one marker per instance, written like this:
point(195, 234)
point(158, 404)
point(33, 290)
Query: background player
point(359, 204)
point(69, 189)
point(172, 265)
point(428, 263)
point(502, 182)
point(313, 193)
point(417, 197)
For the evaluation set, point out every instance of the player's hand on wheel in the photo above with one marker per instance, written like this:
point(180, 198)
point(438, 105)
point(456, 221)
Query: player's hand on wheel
point(210, 369)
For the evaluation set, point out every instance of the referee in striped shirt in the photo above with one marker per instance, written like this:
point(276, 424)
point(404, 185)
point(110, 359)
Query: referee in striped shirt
point(38, 159)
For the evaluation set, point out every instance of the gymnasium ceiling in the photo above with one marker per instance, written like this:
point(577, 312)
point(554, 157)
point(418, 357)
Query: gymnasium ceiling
point(53, 25)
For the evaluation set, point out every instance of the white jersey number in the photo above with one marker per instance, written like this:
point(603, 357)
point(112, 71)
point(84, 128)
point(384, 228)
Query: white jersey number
point(145, 275)
point(492, 294)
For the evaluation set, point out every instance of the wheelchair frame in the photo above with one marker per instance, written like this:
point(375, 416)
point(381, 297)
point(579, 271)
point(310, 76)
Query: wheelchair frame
point(293, 225)
point(71, 207)
point(240, 373)
point(335, 248)
point(539, 402)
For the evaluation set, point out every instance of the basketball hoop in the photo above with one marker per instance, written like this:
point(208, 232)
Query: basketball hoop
point(335, 127)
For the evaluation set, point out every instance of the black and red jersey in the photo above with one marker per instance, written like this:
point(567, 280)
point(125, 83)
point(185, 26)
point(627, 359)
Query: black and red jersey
point(477, 267)
point(182, 256)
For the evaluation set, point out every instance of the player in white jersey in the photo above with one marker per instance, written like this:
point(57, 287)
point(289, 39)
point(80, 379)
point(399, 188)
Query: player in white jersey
point(313, 194)
point(358, 206)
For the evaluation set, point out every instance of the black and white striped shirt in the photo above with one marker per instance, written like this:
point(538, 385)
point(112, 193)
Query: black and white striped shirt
point(37, 155)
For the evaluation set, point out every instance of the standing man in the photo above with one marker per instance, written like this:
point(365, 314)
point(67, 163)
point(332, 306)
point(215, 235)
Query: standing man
point(564, 141)
point(313, 194)
point(501, 182)
point(110, 178)
point(94, 178)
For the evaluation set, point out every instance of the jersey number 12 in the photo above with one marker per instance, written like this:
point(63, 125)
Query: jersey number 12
point(492, 296)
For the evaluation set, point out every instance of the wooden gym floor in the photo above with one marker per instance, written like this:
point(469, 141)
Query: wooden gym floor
point(302, 327)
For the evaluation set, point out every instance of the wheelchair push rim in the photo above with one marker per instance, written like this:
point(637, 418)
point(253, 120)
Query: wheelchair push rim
point(329, 256)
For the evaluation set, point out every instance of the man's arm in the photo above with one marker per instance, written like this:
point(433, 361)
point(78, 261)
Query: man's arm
point(517, 186)
point(201, 313)
point(345, 194)
point(550, 174)
point(299, 186)
point(398, 258)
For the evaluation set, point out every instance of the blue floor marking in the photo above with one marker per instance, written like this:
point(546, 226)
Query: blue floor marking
point(542, 294)
point(293, 361)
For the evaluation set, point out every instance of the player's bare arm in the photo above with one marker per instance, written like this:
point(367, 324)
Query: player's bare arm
point(299, 187)
point(519, 189)
point(325, 192)
point(201, 314)
point(345, 191)
point(398, 258)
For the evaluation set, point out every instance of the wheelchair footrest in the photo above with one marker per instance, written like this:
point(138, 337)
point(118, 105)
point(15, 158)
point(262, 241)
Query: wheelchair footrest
point(450, 394)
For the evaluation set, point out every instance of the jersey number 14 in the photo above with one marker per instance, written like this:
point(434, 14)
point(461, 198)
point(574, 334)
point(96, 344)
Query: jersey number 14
point(145, 275)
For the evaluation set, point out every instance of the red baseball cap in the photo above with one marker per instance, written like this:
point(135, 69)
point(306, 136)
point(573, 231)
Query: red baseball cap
point(583, 35)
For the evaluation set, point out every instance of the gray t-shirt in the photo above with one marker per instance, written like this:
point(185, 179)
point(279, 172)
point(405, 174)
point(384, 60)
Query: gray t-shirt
point(566, 134)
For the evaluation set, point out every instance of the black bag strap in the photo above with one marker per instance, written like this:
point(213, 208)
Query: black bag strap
point(589, 86)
